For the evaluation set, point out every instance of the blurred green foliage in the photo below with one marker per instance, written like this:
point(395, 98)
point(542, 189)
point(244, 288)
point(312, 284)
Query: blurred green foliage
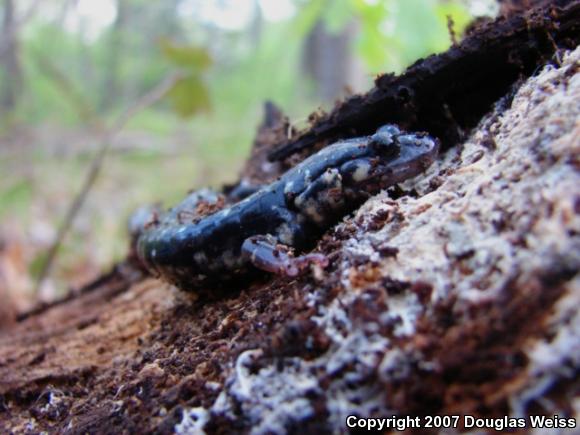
point(221, 64)
point(189, 95)
point(393, 34)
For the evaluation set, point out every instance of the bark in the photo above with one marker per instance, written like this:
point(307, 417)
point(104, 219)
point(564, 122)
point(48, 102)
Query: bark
point(455, 293)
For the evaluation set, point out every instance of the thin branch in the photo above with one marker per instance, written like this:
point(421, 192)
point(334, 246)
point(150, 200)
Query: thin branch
point(96, 165)
point(66, 87)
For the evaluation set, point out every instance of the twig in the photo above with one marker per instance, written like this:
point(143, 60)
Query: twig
point(96, 165)
point(451, 30)
point(67, 88)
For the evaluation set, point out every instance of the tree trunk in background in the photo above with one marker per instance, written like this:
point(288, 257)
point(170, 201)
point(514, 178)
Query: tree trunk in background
point(164, 21)
point(9, 61)
point(111, 84)
point(257, 26)
point(329, 60)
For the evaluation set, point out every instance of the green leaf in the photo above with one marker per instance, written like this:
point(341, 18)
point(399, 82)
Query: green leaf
point(371, 14)
point(189, 96)
point(372, 44)
point(337, 15)
point(186, 56)
point(309, 13)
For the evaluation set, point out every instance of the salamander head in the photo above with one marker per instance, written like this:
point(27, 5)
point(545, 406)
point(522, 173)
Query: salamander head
point(401, 155)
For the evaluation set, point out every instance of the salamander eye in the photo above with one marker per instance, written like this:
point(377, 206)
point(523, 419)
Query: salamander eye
point(384, 146)
point(384, 141)
point(417, 141)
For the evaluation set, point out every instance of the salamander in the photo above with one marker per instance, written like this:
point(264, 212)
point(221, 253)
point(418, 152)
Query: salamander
point(199, 250)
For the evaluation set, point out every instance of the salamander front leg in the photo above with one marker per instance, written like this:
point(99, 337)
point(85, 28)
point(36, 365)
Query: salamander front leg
point(265, 253)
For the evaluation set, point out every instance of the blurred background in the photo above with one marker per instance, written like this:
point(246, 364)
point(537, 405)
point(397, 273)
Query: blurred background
point(71, 69)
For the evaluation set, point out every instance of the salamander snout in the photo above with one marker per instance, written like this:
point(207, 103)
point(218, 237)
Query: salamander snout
point(418, 146)
point(390, 140)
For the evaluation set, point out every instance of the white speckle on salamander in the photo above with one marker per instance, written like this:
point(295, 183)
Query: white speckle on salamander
point(362, 172)
point(285, 234)
point(182, 235)
point(200, 257)
point(238, 205)
point(213, 266)
point(331, 175)
point(288, 187)
point(229, 258)
point(311, 209)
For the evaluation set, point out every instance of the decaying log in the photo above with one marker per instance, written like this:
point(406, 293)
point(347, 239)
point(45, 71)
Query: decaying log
point(459, 297)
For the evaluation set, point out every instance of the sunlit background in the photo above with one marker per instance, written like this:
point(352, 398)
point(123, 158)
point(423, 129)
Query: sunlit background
point(70, 68)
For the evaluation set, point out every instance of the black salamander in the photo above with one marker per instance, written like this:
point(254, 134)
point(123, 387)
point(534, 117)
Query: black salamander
point(263, 230)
